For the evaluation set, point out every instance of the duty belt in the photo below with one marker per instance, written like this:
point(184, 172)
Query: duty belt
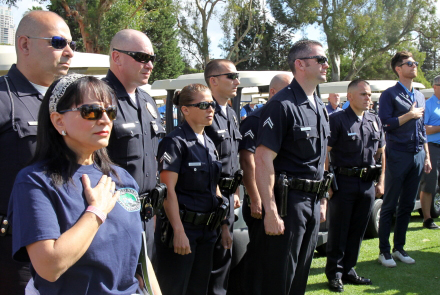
point(196, 218)
point(356, 172)
point(305, 185)
point(226, 183)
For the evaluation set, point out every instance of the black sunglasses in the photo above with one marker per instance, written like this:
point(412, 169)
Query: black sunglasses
point(94, 111)
point(138, 56)
point(410, 63)
point(204, 105)
point(319, 58)
point(231, 76)
point(57, 42)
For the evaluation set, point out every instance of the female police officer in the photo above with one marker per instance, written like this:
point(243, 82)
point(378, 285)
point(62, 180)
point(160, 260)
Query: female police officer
point(189, 166)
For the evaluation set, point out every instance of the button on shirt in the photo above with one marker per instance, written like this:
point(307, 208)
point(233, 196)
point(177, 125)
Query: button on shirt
point(291, 127)
point(134, 138)
point(354, 141)
point(16, 147)
point(432, 117)
point(197, 166)
point(393, 103)
point(225, 134)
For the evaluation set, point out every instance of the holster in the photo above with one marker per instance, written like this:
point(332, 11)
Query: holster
point(373, 173)
point(334, 184)
point(325, 186)
point(154, 199)
point(220, 213)
point(281, 191)
point(238, 177)
point(166, 232)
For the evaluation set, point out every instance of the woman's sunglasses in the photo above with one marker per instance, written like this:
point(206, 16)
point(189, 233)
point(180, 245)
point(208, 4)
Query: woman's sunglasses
point(204, 105)
point(94, 111)
point(58, 42)
point(138, 56)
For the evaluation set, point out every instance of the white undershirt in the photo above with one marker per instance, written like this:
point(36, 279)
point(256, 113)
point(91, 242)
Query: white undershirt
point(41, 89)
point(224, 110)
point(133, 98)
point(201, 138)
point(312, 100)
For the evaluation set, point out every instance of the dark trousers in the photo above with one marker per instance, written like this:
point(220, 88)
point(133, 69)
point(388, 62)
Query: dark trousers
point(287, 258)
point(14, 276)
point(349, 212)
point(185, 274)
point(402, 179)
point(221, 263)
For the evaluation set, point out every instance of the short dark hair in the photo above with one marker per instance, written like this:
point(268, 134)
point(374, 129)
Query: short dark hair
point(214, 67)
point(60, 160)
point(398, 59)
point(300, 49)
point(355, 83)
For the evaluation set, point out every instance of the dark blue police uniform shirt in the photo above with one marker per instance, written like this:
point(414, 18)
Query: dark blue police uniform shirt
point(16, 147)
point(393, 103)
point(134, 138)
point(249, 132)
point(40, 211)
point(354, 141)
point(197, 165)
point(225, 134)
point(291, 127)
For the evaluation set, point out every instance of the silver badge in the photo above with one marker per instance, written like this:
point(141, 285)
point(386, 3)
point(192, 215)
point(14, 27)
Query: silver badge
point(152, 110)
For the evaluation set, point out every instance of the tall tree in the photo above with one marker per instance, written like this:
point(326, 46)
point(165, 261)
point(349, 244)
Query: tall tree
point(360, 29)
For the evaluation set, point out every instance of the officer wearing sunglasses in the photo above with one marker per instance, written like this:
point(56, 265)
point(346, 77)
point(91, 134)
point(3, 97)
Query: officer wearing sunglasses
point(137, 128)
point(42, 55)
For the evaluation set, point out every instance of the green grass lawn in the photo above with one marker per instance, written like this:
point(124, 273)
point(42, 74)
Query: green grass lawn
point(423, 277)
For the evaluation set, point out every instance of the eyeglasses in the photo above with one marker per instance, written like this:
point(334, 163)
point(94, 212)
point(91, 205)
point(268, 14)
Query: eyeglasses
point(319, 58)
point(94, 111)
point(57, 42)
point(410, 63)
point(138, 56)
point(231, 76)
point(204, 105)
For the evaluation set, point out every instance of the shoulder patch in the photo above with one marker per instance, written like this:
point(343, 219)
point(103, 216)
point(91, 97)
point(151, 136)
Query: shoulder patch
point(129, 199)
point(268, 122)
point(249, 133)
point(166, 157)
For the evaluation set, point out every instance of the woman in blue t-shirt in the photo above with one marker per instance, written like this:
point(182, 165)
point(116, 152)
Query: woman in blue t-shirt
point(189, 166)
point(75, 216)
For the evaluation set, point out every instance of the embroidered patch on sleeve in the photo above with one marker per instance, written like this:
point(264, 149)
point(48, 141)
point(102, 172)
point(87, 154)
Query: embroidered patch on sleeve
point(249, 133)
point(268, 122)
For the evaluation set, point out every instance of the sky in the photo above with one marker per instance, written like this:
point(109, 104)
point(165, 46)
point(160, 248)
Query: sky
point(215, 33)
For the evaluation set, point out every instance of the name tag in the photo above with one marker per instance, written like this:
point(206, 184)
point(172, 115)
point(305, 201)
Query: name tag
point(128, 125)
point(32, 123)
point(221, 131)
point(306, 128)
point(351, 134)
point(193, 164)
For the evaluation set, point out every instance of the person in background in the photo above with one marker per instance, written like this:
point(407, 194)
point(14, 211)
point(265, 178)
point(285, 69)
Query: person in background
point(333, 103)
point(44, 48)
point(247, 109)
point(75, 215)
point(162, 112)
point(135, 136)
point(428, 184)
point(189, 166)
point(401, 110)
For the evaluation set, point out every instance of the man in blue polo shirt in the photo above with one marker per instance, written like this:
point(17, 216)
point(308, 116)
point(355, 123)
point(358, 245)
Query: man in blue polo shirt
point(429, 181)
point(401, 109)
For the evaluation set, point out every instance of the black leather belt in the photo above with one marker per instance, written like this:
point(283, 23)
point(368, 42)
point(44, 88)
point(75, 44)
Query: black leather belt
point(356, 172)
point(305, 185)
point(196, 218)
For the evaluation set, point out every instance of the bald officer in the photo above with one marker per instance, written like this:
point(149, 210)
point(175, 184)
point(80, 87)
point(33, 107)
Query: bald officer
point(44, 50)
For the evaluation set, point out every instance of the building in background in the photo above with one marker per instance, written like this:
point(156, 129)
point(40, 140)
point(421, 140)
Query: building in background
point(7, 30)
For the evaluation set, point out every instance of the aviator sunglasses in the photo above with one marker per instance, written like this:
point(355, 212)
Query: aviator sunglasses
point(319, 58)
point(410, 63)
point(57, 42)
point(138, 56)
point(231, 76)
point(94, 111)
point(204, 105)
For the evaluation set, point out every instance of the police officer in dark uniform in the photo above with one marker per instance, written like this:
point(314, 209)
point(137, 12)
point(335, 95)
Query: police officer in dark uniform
point(291, 152)
point(189, 166)
point(21, 93)
point(356, 143)
point(134, 138)
point(222, 78)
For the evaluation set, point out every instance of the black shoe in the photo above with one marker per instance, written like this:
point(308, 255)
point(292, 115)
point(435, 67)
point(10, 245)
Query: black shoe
point(336, 285)
point(356, 280)
point(429, 224)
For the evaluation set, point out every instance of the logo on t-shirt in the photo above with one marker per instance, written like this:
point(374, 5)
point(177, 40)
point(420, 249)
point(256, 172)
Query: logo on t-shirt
point(129, 199)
